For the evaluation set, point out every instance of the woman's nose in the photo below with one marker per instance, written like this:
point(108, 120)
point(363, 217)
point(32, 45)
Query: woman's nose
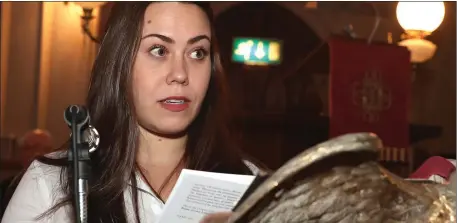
point(178, 72)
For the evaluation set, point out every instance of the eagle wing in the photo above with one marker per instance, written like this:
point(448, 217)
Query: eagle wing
point(340, 181)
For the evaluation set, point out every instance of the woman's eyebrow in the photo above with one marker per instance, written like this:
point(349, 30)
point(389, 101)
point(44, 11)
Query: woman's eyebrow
point(170, 40)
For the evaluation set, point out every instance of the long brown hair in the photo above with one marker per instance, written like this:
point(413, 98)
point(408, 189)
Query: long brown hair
point(210, 146)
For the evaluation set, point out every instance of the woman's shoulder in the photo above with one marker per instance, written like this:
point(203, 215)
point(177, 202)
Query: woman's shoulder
point(38, 189)
point(45, 174)
point(43, 168)
point(42, 172)
point(40, 168)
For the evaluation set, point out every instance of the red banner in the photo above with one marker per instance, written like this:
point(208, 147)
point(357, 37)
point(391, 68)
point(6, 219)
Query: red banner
point(370, 90)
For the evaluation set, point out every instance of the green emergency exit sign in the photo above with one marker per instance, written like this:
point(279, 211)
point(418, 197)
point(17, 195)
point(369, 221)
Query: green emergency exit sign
point(255, 51)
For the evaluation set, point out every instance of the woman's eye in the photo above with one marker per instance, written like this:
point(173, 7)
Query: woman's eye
point(158, 51)
point(198, 54)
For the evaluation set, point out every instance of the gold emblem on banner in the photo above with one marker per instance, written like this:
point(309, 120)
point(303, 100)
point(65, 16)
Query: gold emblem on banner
point(371, 95)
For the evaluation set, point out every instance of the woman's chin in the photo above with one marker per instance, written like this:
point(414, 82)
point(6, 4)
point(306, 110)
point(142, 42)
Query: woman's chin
point(171, 133)
point(167, 127)
point(168, 131)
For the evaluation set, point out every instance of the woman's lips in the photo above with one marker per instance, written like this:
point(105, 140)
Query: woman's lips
point(175, 103)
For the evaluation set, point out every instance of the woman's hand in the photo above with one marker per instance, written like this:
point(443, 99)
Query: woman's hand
point(220, 217)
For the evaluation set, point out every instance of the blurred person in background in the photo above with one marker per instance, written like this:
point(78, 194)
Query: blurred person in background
point(33, 144)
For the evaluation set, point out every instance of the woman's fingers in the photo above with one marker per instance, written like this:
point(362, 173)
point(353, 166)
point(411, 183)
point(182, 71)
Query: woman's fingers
point(220, 217)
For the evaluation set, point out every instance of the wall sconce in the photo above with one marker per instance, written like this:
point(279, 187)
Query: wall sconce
point(419, 19)
point(88, 8)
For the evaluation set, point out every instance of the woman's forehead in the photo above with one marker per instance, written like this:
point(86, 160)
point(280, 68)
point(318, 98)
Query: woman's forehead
point(175, 19)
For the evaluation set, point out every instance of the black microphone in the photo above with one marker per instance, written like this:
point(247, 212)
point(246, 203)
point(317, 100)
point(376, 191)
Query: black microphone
point(89, 133)
point(80, 115)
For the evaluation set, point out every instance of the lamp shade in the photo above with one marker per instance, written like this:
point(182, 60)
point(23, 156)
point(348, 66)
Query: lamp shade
point(420, 16)
point(90, 5)
point(421, 50)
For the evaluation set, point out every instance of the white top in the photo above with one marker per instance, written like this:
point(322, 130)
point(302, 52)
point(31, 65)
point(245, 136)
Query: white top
point(39, 190)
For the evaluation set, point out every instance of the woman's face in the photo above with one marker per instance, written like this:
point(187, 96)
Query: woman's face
point(172, 68)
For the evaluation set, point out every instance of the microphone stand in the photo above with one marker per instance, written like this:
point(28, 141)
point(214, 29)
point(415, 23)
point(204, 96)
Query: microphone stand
point(79, 156)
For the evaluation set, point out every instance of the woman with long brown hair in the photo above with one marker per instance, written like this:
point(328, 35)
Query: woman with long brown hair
point(157, 98)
